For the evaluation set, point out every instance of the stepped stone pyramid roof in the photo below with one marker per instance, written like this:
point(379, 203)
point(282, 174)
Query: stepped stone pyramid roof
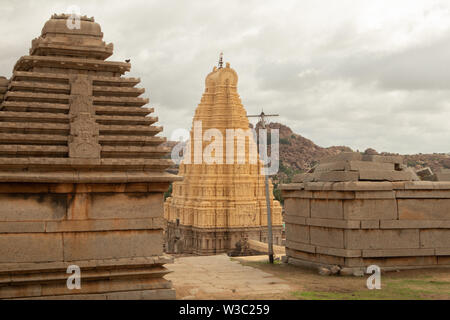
point(67, 115)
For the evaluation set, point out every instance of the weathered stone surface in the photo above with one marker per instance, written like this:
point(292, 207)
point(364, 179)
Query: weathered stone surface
point(381, 239)
point(337, 176)
point(297, 233)
point(366, 165)
point(370, 224)
point(328, 209)
point(300, 246)
point(126, 205)
point(327, 237)
point(397, 252)
point(111, 244)
point(369, 209)
point(31, 247)
point(19, 207)
point(385, 175)
point(435, 238)
point(333, 223)
point(298, 207)
point(420, 209)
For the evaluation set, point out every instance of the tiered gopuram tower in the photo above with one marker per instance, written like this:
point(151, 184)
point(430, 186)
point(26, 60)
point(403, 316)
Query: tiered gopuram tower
point(219, 204)
point(82, 174)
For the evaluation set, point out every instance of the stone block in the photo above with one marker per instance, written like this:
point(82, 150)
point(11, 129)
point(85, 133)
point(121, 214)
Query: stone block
point(333, 223)
point(298, 233)
point(112, 245)
point(435, 238)
point(366, 165)
point(31, 207)
point(370, 224)
point(22, 227)
point(414, 224)
point(370, 209)
point(327, 237)
point(362, 186)
point(424, 209)
point(338, 252)
point(30, 247)
point(294, 219)
point(333, 195)
point(381, 239)
point(385, 175)
point(312, 258)
point(385, 159)
point(331, 166)
point(297, 207)
point(104, 225)
point(443, 176)
point(328, 209)
point(443, 251)
point(338, 176)
point(300, 246)
point(423, 194)
point(397, 252)
point(374, 194)
point(126, 206)
point(343, 156)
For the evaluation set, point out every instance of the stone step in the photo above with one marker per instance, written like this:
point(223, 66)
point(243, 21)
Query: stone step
point(39, 86)
point(37, 97)
point(33, 150)
point(124, 111)
point(130, 130)
point(117, 91)
point(127, 120)
point(64, 78)
point(120, 101)
point(9, 116)
point(16, 138)
point(27, 63)
point(29, 127)
point(24, 106)
point(134, 151)
point(131, 140)
point(105, 164)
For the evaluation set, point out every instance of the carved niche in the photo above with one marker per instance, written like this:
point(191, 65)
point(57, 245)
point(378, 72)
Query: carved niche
point(84, 130)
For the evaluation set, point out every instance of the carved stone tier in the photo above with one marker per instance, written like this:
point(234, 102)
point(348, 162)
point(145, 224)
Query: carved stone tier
point(218, 205)
point(82, 174)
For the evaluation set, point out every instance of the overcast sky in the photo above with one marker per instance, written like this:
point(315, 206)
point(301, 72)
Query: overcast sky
point(357, 73)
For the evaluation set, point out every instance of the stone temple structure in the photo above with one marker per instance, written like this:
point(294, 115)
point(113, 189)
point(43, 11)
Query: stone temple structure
point(359, 210)
point(82, 173)
point(218, 205)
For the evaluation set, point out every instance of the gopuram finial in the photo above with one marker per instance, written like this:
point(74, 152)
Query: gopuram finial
point(221, 60)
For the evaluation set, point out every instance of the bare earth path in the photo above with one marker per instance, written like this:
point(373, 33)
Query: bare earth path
point(221, 277)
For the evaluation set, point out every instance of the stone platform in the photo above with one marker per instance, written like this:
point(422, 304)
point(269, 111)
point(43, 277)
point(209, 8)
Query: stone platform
point(395, 225)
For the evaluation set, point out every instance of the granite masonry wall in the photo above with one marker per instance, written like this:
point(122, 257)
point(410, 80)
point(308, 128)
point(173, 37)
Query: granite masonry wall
point(395, 225)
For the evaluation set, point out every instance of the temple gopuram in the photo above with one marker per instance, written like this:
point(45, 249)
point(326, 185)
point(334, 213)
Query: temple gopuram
point(82, 174)
point(218, 205)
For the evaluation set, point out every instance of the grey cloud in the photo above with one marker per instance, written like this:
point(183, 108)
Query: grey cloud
point(307, 61)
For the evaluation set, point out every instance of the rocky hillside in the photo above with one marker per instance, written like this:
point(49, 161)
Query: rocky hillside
point(298, 154)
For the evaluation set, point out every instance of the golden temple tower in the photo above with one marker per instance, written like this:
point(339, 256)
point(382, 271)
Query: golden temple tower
point(219, 203)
